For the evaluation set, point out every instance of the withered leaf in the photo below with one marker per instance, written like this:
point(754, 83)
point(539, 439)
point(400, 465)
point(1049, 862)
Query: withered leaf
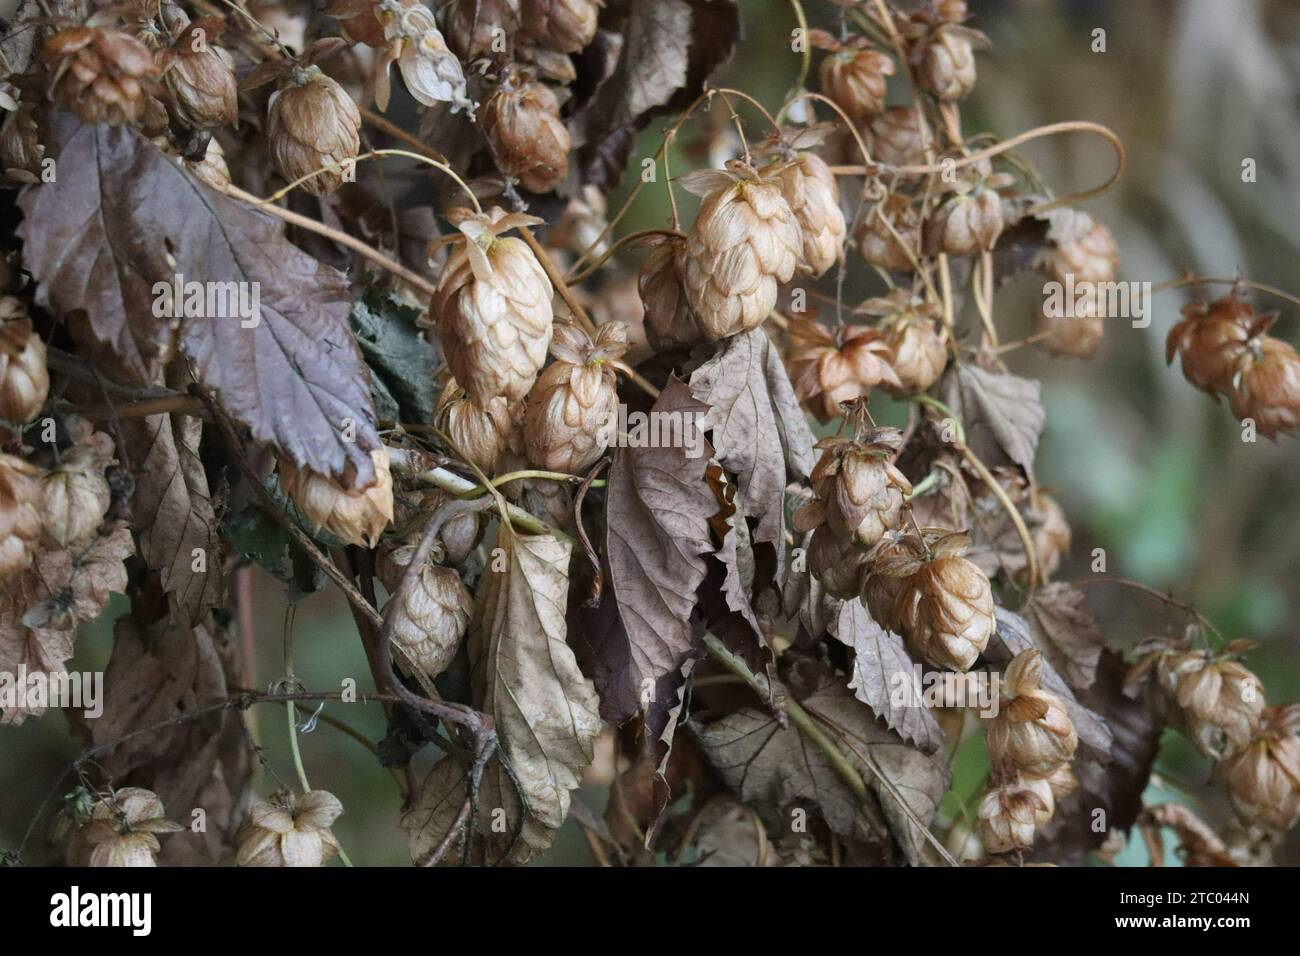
point(775, 769)
point(173, 512)
point(908, 783)
point(40, 611)
point(122, 217)
point(1003, 414)
point(884, 676)
point(524, 674)
point(657, 510)
point(758, 432)
point(155, 675)
point(669, 49)
point(1067, 633)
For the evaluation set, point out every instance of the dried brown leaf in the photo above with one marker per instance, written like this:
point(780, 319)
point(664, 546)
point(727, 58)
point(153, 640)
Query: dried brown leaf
point(122, 217)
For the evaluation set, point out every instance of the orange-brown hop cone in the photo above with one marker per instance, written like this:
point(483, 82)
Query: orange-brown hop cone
point(572, 411)
point(945, 61)
point(101, 75)
point(482, 27)
point(457, 537)
point(289, 830)
point(312, 124)
point(1032, 731)
point(492, 308)
point(894, 558)
point(530, 142)
point(838, 565)
point(1221, 700)
point(24, 378)
point(1084, 249)
point(669, 323)
point(565, 26)
point(898, 138)
point(122, 830)
point(1264, 777)
point(745, 242)
point(360, 20)
point(945, 609)
point(1062, 781)
point(357, 517)
point(853, 75)
point(1051, 533)
point(200, 78)
point(830, 366)
point(481, 434)
point(1010, 814)
point(21, 150)
point(74, 493)
point(20, 514)
point(889, 235)
point(809, 188)
point(1210, 339)
point(429, 624)
point(969, 222)
point(916, 339)
point(1267, 388)
point(859, 491)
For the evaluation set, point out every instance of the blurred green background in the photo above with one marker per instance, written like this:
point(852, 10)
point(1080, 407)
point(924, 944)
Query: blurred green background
point(1144, 466)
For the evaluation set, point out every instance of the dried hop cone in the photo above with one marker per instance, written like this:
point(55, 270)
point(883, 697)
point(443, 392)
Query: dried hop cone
point(458, 535)
point(1267, 386)
point(20, 514)
point(102, 75)
point(429, 624)
point(889, 235)
point(669, 323)
point(482, 27)
point(1211, 339)
point(859, 492)
point(565, 26)
point(24, 378)
point(1081, 257)
point(745, 242)
point(289, 830)
point(572, 411)
point(945, 608)
point(1264, 777)
point(356, 516)
point(75, 494)
point(123, 830)
point(21, 150)
point(853, 75)
point(809, 188)
point(492, 308)
point(1010, 814)
point(898, 137)
point(1221, 700)
point(945, 60)
point(200, 77)
point(830, 366)
point(412, 40)
point(971, 220)
point(1032, 731)
point(915, 337)
point(313, 124)
point(480, 433)
point(839, 565)
point(521, 120)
